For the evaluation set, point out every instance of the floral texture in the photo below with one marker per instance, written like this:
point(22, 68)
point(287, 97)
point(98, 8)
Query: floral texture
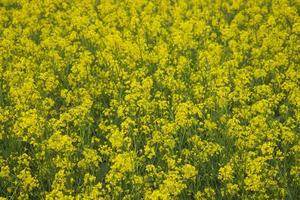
point(149, 99)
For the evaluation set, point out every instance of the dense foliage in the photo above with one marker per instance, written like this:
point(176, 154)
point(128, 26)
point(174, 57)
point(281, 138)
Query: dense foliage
point(149, 99)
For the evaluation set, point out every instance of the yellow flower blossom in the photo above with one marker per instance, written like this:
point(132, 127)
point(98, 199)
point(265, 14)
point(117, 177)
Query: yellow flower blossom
point(134, 99)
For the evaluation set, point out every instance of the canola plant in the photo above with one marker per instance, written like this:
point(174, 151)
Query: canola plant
point(149, 99)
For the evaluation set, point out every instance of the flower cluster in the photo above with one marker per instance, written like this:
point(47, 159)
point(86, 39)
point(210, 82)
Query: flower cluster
point(149, 99)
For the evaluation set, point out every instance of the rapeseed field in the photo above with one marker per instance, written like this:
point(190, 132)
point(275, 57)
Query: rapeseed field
point(149, 99)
